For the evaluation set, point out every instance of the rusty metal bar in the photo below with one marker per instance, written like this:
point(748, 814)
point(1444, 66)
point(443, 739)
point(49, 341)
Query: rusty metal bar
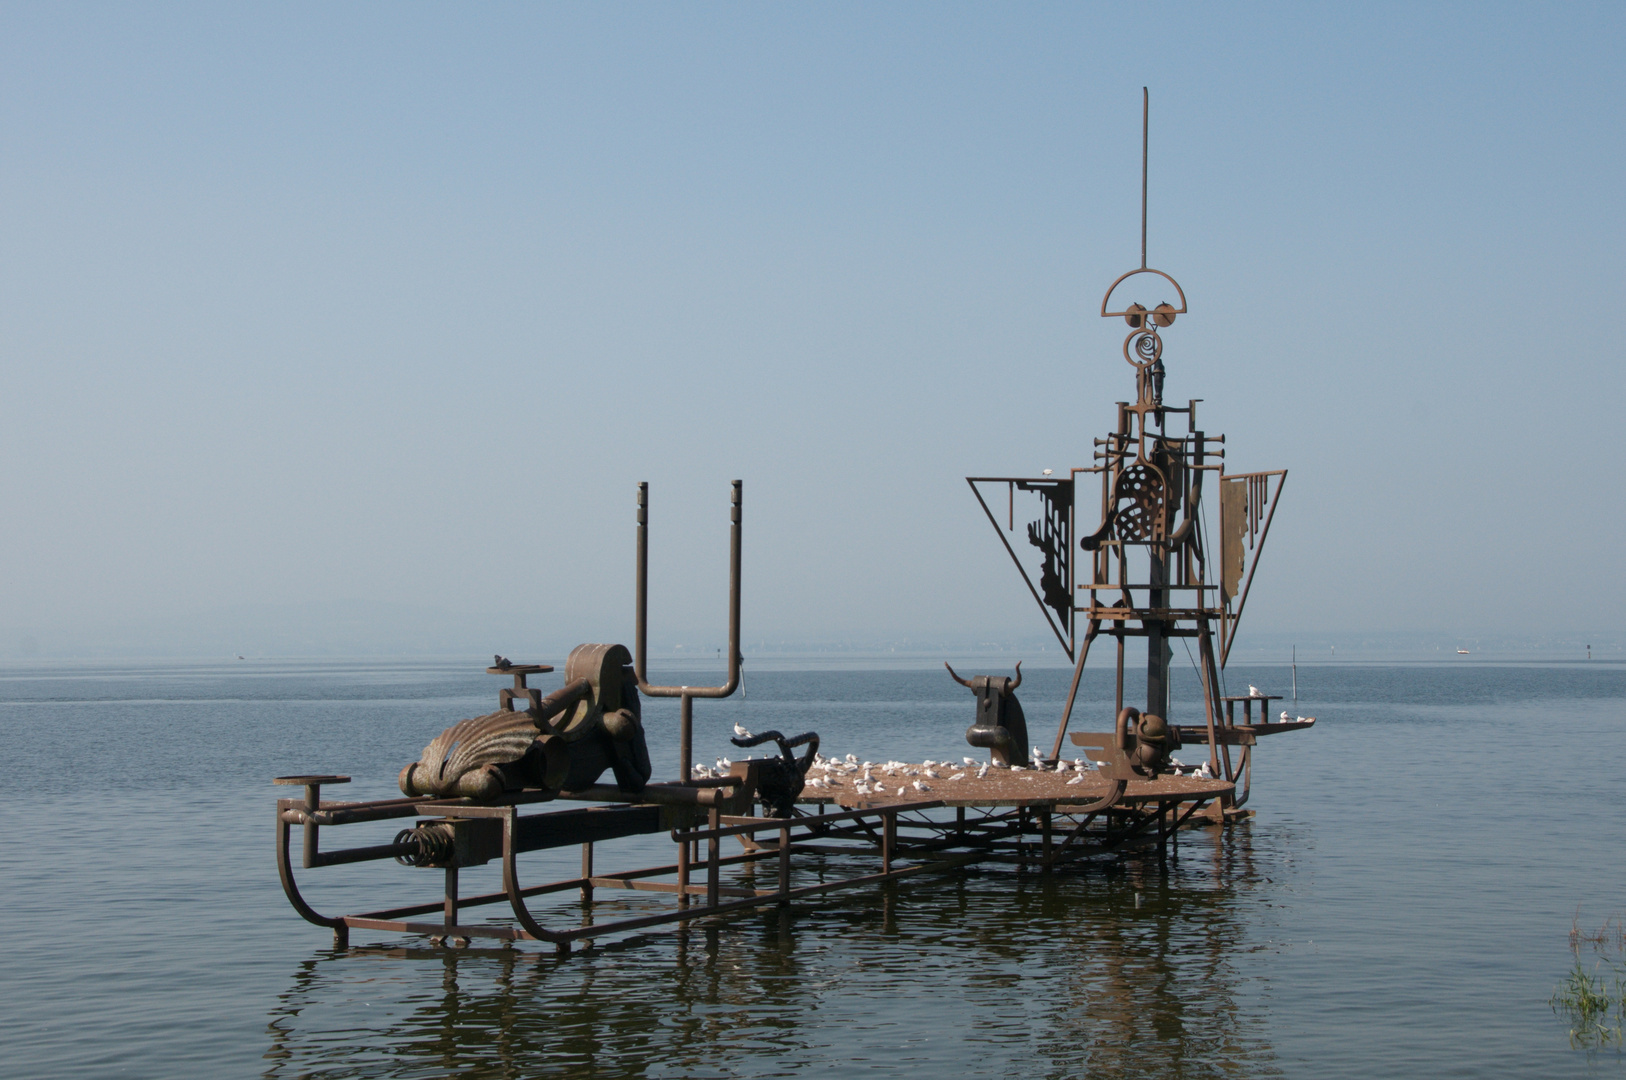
point(1205, 649)
point(1065, 644)
point(712, 854)
point(1072, 691)
point(784, 865)
point(765, 823)
point(1145, 129)
point(683, 874)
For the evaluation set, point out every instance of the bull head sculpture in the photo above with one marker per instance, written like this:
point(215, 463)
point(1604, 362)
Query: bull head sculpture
point(1000, 727)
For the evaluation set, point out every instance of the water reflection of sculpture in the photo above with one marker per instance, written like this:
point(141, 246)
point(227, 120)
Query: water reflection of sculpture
point(1092, 983)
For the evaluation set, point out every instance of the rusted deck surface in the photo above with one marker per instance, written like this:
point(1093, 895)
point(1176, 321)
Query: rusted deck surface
point(997, 787)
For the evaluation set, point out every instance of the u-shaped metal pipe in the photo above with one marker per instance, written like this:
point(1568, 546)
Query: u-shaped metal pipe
point(687, 694)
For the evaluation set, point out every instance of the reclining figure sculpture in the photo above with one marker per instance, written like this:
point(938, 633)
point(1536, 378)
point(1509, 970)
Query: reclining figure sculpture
point(561, 742)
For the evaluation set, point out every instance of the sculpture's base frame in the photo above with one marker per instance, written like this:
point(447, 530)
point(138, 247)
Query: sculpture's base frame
point(909, 838)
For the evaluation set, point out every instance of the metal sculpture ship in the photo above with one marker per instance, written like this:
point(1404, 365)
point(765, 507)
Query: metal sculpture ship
point(487, 789)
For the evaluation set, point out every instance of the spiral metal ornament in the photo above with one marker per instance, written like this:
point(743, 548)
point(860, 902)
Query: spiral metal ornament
point(1143, 348)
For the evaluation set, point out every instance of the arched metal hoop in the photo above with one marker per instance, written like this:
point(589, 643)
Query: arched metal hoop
point(1105, 314)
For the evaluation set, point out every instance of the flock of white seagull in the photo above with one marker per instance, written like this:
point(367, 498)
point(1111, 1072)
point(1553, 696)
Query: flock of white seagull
point(834, 772)
point(877, 778)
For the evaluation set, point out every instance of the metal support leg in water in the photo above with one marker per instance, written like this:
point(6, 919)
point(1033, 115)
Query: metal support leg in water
point(713, 854)
point(587, 872)
point(683, 874)
point(889, 840)
point(784, 866)
point(1163, 831)
point(449, 913)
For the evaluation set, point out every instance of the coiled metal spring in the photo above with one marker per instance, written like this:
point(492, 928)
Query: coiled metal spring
point(434, 845)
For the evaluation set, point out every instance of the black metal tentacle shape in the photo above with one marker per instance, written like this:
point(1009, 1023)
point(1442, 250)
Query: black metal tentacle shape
point(781, 779)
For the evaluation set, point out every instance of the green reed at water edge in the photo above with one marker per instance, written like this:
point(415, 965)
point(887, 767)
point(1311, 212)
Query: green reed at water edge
point(1594, 1002)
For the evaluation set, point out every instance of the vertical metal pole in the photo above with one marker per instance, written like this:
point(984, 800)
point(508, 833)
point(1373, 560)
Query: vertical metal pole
point(1158, 652)
point(1044, 824)
point(640, 632)
point(1145, 118)
point(683, 874)
point(889, 839)
point(784, 865)
point(713, 855)
point(1162, 834)
point(451, 897)
point(686, 736)
point(313, 803)
point(587, 872)
point(1119, 706)
point(734, 661)
point(1211, 690)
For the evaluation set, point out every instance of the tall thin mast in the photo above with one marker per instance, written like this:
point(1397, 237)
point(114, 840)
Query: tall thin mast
point(1145, 116)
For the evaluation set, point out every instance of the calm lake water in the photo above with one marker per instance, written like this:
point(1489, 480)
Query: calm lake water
point(1400, 905)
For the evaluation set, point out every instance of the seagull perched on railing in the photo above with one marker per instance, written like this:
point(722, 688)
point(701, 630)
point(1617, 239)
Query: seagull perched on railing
point(1253, 691)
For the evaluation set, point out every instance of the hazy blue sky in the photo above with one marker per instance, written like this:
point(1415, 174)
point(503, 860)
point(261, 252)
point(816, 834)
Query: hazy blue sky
point(365, 320)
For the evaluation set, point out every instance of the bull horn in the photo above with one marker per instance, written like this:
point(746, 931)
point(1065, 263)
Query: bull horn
point(955, 677)
point(1018, 681)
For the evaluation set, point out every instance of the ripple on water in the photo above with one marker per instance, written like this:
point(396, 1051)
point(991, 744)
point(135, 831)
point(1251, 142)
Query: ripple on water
point(1400, 905)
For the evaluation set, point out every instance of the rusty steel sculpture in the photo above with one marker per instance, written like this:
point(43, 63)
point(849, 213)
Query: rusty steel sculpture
point(1147, 569)
point(488, 789)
